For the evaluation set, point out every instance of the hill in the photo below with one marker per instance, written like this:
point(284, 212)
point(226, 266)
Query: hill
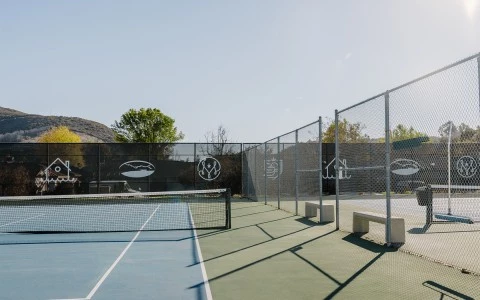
point(17, 126)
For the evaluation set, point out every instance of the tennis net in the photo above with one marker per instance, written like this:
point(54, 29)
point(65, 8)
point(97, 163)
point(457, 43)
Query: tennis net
point(198, 209)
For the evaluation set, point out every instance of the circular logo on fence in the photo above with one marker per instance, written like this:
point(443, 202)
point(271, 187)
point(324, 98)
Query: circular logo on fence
point(209, 168)
point(466, 166)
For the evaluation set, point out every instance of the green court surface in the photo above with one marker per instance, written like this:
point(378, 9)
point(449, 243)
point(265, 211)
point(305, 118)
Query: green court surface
point(271, 254)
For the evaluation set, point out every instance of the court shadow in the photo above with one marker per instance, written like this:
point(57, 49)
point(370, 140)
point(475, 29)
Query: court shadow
point(427, 229)
point(419, 230)
point(257, 213)
point(356, 239)
point(444, 291)
point(309, 222)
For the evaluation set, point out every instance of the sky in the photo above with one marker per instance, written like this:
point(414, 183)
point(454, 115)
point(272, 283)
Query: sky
point(259, 68)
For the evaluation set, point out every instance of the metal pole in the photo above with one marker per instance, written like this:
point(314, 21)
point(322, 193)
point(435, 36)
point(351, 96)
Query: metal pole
point(320, 173)
point(337, 181)
point(98, 168)
point(265, 171)
point(296, 172)
point(388, 227)
point(255, 173)
point(478, 72)
point(449, 167)
point(278, 175)
point(195, 165)
point(150, 161)
point(241, 162)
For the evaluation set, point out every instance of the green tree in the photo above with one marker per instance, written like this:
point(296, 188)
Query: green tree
point(468, 134)
point(401, 132)
point(146, 126)
point(347, 133)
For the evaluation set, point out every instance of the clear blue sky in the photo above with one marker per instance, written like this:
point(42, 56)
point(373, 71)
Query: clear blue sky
point(260, 68)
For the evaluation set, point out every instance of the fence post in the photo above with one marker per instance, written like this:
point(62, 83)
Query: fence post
point(478, 72)
point(195, 165)
point(296, 172)
point(150, 161)
point(337, 181)
point(255, 182)
point(243, 168)
point(320, 173)
point(98, 168)
point(278, 177)
point(265, 170)
point(388, 227)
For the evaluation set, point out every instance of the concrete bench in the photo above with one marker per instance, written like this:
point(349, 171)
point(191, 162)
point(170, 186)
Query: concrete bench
point(311, 208)
point(361, 220)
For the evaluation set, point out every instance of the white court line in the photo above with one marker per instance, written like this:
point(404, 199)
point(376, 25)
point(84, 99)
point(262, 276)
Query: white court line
point(99, 283)
point(70, 299)
point(200, 258)
point(22, 220)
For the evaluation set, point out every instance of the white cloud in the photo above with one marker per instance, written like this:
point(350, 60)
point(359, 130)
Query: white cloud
point(348, 55)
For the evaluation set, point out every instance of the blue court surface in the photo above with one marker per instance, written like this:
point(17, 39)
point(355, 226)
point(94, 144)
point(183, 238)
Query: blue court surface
point(120, 265)
point(100, 250)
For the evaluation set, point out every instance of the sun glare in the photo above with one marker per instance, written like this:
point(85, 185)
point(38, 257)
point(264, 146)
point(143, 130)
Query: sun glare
point(471, 6)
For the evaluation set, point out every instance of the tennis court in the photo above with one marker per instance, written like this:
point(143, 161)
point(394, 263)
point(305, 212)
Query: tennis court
point(115, 246)
point(266, 254)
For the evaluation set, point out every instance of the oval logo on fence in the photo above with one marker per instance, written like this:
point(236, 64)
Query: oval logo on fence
point(137, 169)
point(404, 167)
point(209, 168)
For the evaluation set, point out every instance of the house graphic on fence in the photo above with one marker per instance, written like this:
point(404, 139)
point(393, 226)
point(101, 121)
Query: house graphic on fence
point(342, 174)
point(56, 173)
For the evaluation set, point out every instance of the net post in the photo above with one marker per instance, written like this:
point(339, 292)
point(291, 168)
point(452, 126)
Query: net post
point(228, 203)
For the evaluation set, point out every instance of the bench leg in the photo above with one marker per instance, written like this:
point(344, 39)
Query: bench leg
point(398, 231)
point(328, 213)
point(310, 210)
point(360, 225)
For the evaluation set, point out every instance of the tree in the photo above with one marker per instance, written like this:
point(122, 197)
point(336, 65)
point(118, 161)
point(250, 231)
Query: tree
point(15, 180)
point(347, 133)
point(59, 134)
point(218, 142)
point(62, 134)
point(401, 132)
point(146, 126)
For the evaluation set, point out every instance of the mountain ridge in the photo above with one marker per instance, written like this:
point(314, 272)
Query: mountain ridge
point(17, 126)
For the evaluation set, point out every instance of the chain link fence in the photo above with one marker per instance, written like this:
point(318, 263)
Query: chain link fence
point(33, 168)
point(287, 171)
point(408, 155)
point(412, 154)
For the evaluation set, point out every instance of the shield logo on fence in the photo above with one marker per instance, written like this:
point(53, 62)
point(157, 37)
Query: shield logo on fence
point(209, 168)
point(273, 168)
